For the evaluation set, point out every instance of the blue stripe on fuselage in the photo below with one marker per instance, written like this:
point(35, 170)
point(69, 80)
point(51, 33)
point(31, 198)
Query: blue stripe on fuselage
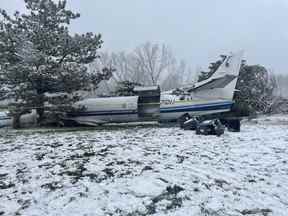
point(5, 118)
point(198, 107)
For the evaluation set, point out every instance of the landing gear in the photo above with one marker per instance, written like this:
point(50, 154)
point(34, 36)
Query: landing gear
point(183, 119)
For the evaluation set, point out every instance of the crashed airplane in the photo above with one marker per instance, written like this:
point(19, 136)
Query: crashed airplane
point(211, 96)
point(214, 95)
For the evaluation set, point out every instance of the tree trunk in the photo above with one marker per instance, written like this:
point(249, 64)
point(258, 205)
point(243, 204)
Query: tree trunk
point(40, 113)
point(16, 121)
point(40, 107)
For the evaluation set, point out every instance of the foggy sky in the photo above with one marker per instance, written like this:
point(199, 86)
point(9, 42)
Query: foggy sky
point(197, 31)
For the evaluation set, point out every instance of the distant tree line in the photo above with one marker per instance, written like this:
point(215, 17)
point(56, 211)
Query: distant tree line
point(148, 64)
point(282, 82)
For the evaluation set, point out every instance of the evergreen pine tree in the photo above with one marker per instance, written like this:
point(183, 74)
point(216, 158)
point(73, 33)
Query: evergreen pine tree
point(39, 56)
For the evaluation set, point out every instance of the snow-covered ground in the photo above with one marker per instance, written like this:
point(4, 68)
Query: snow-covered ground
point(146, 171)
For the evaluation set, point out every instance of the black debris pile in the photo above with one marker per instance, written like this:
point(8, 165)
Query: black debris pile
point(214, 126)
point(210, 127)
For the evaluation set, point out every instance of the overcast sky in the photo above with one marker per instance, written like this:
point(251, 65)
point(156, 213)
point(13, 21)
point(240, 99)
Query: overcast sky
point(197, 31)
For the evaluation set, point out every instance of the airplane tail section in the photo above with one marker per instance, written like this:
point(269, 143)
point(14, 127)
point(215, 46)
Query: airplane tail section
point(230, 66)
point(222, 84)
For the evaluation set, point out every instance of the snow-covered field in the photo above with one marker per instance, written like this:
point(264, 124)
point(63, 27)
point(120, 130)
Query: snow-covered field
point(146, 171)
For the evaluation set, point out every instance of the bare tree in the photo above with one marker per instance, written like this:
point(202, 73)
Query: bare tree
point(127, 67)
point(175, 77)
point(104, 61)
point(153, 61)
point(282, 81)
point(147, 64)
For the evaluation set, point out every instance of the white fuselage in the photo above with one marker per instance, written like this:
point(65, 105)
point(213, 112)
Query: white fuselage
point(125, 109)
